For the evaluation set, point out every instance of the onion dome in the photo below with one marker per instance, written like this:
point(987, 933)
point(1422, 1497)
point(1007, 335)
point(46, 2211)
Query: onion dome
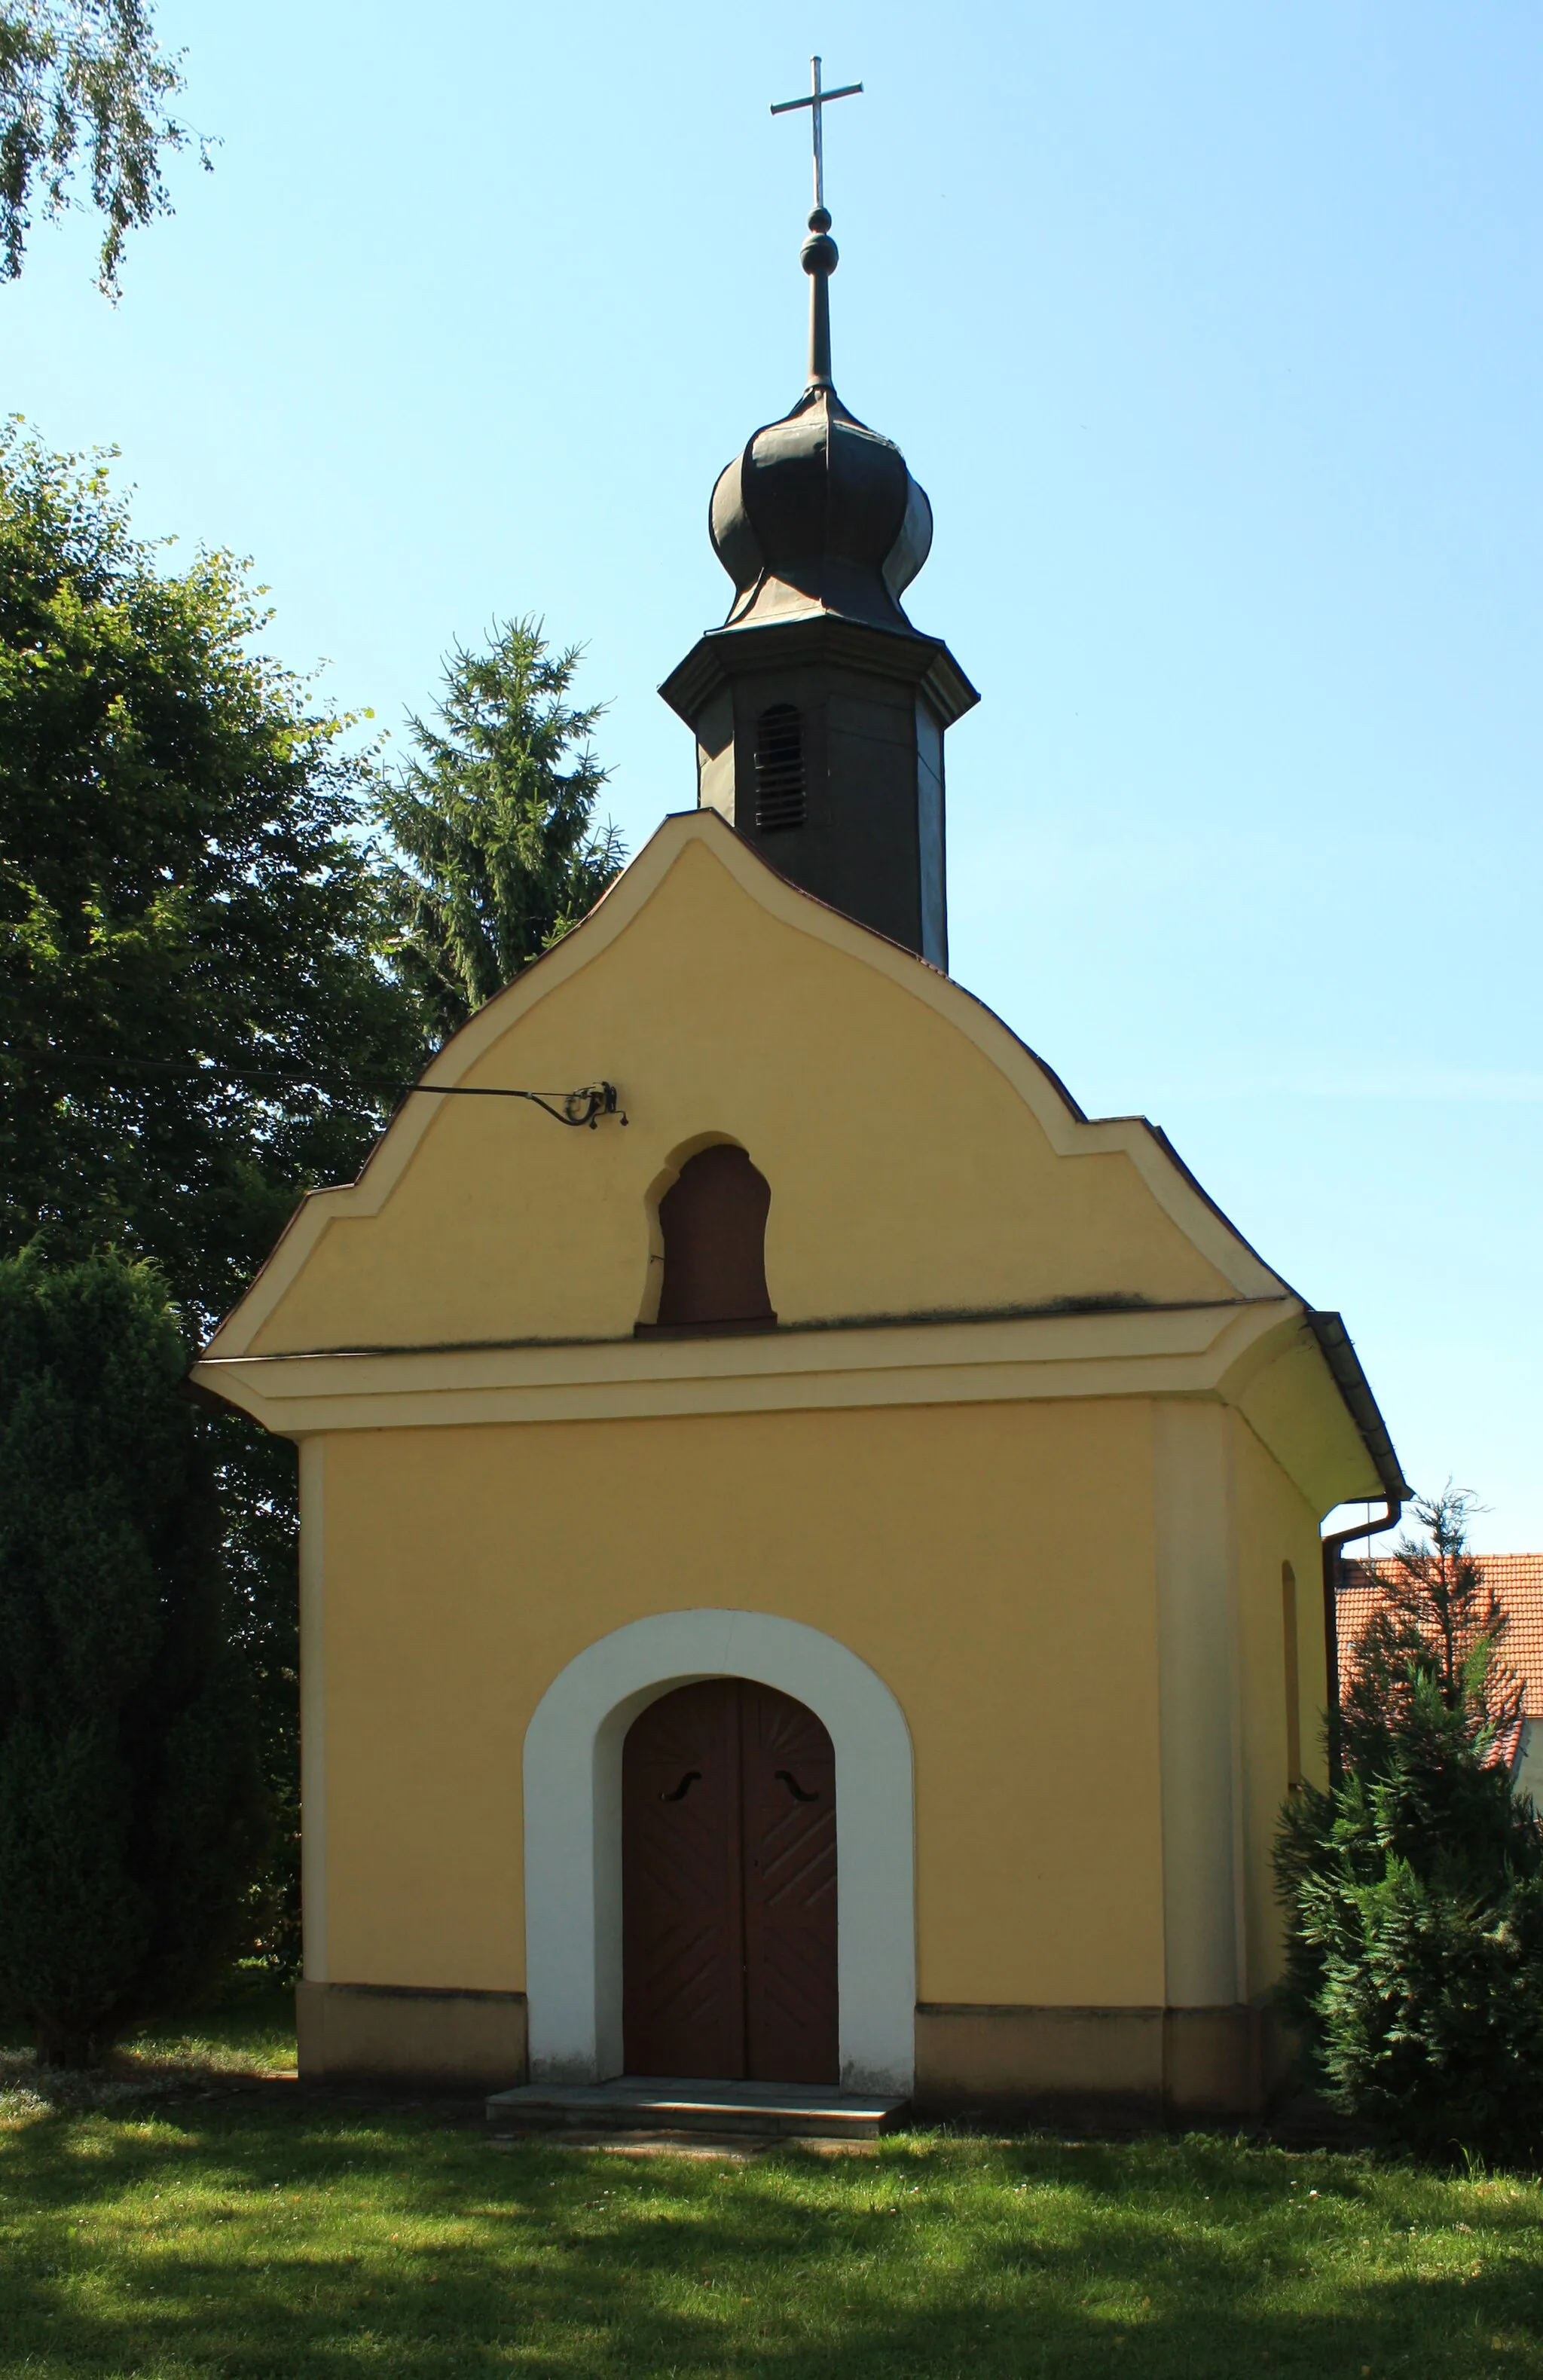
point(820, 513)
point(819, 711)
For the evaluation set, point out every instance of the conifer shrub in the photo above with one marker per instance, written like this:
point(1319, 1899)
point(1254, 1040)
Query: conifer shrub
point(1414, 1887)
point(132, 1818)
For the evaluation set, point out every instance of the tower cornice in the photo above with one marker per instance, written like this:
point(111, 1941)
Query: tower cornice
point(818, 639)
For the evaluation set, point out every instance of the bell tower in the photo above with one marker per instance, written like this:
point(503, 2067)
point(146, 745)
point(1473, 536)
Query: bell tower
point(818, 709)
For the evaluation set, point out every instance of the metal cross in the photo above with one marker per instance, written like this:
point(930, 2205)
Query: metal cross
point(816, 103)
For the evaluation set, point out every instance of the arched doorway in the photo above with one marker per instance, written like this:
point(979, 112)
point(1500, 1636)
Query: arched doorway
point(729, 1887)
point(571, 1767)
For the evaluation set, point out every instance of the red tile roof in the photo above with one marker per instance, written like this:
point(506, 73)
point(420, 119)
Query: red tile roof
point(1517, 1583)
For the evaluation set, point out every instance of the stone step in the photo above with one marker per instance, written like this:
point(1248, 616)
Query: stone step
point(644, 2103)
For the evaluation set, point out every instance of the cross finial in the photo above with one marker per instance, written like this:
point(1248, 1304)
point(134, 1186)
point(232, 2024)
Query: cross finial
point(817, 103)
point(817, 255)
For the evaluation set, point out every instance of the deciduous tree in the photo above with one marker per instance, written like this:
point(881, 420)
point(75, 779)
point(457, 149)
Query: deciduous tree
point(195, 1023)
point(86, 91)
point(196, 1020)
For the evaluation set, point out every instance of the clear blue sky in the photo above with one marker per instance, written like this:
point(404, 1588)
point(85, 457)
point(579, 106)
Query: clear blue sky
point(1214, 333)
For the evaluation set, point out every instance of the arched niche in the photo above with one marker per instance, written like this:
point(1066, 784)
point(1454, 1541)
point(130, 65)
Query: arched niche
point(709, 1228)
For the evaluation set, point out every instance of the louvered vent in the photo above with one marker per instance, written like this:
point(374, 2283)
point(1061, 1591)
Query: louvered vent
point(779, 769)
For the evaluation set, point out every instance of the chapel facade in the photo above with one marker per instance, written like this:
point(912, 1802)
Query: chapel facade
point(811, 1560)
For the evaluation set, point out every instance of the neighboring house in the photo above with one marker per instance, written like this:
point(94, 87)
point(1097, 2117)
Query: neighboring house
point(1517, 1581)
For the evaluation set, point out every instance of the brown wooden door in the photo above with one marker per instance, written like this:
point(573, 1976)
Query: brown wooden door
point(729, 1887)
point(788, 1787)
point(683, 1927)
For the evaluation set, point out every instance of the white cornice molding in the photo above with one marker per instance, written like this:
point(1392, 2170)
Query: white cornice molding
point(1154, 1351)
point(1069, 1132)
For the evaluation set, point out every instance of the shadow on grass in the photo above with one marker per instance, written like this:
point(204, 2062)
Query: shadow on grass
point(311, 2246)
point(249, 2037)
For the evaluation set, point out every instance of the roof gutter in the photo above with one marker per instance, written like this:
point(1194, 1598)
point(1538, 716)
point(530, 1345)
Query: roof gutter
point(1332, 1545)
point(1339, 1354)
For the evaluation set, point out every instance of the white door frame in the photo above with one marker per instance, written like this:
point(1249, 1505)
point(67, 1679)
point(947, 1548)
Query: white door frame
point(572, 1834)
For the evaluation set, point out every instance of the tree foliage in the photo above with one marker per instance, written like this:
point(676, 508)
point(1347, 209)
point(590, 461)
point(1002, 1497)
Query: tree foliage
point(194, 1021)
point(85, 87)
point(187, 907)
point(1414, 1890)
point(1438, 1620)
point(131, 1812)
point(496, 853)
point(211, 984)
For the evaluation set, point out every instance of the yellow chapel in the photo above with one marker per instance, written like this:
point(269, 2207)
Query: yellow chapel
point(810, 1562)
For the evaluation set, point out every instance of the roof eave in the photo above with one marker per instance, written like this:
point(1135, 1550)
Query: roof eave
point(1339, 1354)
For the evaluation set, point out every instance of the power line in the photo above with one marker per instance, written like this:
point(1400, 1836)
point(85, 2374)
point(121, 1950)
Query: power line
point(584, 1106)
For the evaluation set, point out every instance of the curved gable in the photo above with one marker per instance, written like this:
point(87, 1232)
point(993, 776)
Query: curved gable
point(922, 1160)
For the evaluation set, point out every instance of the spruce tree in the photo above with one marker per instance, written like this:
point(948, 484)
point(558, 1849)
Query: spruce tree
point(132, 1815)
point(1414, 1890)
point(491, 820)
point(1436, 1613)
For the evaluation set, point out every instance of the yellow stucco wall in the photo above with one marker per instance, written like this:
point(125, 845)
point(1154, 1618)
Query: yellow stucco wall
point(1274, 1525)
point(907, 1172)
point(1064, 1561)
point(993, 1563)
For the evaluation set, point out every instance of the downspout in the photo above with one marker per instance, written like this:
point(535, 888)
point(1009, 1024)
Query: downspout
point(1334, 1344)
point(1331, 1546)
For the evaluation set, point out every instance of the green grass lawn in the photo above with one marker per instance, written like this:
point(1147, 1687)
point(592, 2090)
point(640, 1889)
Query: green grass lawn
point(247, 2233)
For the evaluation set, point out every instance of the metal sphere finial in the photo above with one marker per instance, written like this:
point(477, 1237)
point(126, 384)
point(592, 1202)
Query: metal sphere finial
point(819, 253)
point(818, 256)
